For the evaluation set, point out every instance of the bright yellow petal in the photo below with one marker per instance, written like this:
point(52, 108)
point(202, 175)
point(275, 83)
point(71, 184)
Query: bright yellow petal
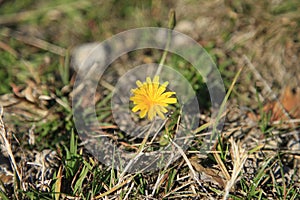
point(150, 90)
point(143, 113)
point(169, 100)
point(167, 94)
point(136, 108)
point(160, 90)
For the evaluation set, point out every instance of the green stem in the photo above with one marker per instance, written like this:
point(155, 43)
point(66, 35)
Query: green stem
point(171, 26)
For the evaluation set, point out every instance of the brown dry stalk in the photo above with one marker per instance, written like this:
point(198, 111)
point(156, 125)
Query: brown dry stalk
point(239, 157)
point(195, 175)
point(7, 146)
point(114, 188)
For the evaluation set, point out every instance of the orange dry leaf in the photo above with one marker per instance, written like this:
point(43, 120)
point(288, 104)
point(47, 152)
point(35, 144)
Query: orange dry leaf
point(288, 106)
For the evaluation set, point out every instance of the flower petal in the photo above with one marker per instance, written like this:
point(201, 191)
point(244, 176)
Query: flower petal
point(158, 110)
point(143, 113)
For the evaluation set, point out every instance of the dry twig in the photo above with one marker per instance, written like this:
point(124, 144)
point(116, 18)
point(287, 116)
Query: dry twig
point(7, 146)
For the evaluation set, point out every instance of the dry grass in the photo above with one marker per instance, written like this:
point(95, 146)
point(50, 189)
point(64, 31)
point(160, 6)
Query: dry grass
point(253, 157)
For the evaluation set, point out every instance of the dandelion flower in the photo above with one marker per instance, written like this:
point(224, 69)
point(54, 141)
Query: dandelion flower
point(150, 98)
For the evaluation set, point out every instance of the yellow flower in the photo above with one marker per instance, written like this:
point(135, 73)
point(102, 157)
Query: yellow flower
point(150, 97)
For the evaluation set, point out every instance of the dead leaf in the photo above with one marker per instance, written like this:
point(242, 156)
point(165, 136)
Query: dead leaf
point(23, 109)
point(287, 107)
point(28, 94)
point(207, 174)
point(32, 92)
